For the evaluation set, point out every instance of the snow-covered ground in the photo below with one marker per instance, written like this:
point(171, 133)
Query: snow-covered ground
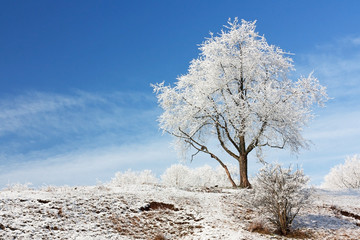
point(151, 211)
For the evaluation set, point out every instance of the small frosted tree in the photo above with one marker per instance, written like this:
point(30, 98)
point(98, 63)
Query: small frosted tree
point(238, 92)
point(344, 176)
point(134, 178)
point(177, 176)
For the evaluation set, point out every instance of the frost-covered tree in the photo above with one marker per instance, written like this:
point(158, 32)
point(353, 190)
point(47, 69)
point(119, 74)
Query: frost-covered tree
point(238, 92)
point(344, 176)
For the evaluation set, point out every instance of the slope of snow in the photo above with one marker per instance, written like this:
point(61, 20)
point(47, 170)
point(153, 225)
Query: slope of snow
point(147, 211)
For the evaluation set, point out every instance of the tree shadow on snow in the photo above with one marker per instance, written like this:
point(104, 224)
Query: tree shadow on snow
point(321, 222)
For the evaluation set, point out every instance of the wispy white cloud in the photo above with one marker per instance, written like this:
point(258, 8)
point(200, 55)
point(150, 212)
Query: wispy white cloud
point(19, 112)
point(335, 124)
point(67, 112)
point(336, 64)
point(340, 44)
point(45, 117)
point(37, 127)
point(349, 41)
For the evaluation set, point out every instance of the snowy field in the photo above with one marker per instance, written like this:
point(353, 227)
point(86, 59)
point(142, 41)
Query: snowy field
point(157, 212)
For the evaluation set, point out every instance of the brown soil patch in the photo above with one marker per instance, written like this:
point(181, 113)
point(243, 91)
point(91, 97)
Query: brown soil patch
point(158, 205)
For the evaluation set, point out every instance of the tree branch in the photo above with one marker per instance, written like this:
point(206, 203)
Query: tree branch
point(223, 145)
point(254, 143)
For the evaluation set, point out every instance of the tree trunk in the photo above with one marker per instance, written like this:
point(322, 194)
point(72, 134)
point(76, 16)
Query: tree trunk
point(283, 222)
point(243, 168)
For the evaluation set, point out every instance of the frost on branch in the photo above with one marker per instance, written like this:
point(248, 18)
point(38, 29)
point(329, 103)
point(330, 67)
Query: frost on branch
point(279, 194)
point(238, 92)
point(344, 176)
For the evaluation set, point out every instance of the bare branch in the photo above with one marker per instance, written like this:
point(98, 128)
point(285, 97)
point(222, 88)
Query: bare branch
point(193, 155)
point(223, 144)
point(254, 143)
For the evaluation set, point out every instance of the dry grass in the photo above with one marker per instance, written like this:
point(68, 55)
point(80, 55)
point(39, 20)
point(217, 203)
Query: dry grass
point(300, 234)
point(153, 217)
point(259, 227)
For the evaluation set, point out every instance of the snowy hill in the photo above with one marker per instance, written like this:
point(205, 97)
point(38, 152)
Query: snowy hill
point(158, 212)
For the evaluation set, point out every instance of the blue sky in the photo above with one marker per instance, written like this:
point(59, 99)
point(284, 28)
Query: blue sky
point(76, 104)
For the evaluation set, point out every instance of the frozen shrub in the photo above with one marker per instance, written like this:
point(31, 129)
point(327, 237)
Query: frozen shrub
point(181, 176)
point(176, 176)
point(279, 194)
point(137, 178)
point(206, 176)
point(221, 178)
point(18, 187)
point(48, 188)
point(344, 176)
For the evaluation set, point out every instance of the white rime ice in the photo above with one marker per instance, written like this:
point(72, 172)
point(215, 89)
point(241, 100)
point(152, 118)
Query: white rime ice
point(344, 176)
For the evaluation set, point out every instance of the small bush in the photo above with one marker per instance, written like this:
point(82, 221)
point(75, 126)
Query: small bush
point(18, 187)
point(344, 176)
point(137, 178)
point(182, 176)
point(176, 176)
point(279, 194)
